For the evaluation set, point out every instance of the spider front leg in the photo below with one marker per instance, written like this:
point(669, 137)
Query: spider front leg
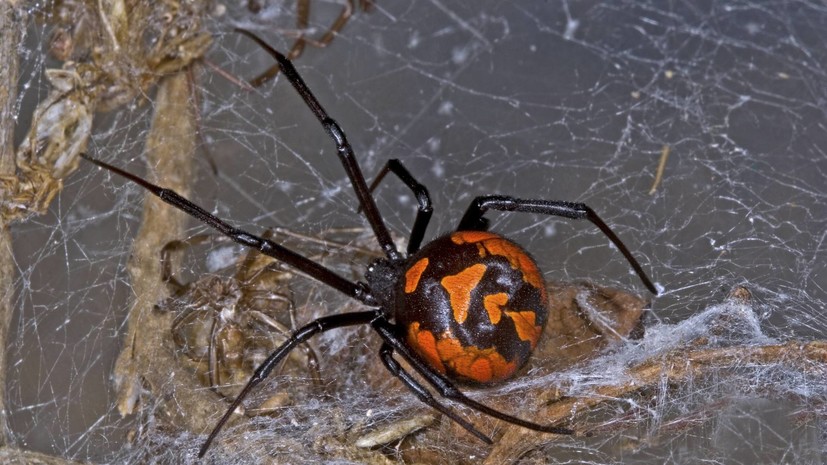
point(473, 220)
point(343, 148)
point(267, 247)
point(423, 200)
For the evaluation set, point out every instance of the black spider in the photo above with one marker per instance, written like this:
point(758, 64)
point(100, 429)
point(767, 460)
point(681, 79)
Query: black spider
point(469, 306)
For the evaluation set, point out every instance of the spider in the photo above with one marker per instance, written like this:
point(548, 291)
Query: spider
point(226, 326)
point(467, 307)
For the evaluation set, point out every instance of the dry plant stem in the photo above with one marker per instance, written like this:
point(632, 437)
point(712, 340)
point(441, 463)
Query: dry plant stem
point(395, 431)
point(664, 155)
point(12, 20)
point(147, 359)
point(671, 367)
point(10, 456)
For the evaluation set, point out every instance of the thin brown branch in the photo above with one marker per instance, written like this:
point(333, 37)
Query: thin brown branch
point(10, 456)
point(664, 155)
point(12, 21)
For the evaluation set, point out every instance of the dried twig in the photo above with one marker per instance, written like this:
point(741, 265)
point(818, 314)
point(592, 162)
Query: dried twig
point(12, 21)
point(664, 155)
point(9, 456)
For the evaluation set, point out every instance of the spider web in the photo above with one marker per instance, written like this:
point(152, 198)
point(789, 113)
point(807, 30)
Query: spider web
point(572, 101)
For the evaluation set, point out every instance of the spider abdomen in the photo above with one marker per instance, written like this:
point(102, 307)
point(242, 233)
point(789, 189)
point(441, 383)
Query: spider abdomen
point(472, 304)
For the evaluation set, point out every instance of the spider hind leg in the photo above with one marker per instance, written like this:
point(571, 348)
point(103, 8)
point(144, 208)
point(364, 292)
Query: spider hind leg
point(445, 388)
point(386, 353)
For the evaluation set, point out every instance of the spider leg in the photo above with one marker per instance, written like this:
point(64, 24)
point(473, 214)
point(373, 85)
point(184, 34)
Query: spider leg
point(244, 275)
point(214, 370)
point(343, 148)
point(447, 389)
point(302, 21)
point(181, 245)
point(473, 220)
point(358, 291)
point(296, 50)
point(386, 353)
point(424, 209)
point(309, 353)
point(299, 336)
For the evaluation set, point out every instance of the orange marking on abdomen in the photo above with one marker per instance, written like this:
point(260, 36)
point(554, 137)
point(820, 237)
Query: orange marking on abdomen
point(485, 366)
point(497, 245)
point(481, 365)
point(526, 329)
point(414, 273)
point(518, 260)
point(493, 303)
point(459, 287)
point(424, 343)
point(468, 237)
